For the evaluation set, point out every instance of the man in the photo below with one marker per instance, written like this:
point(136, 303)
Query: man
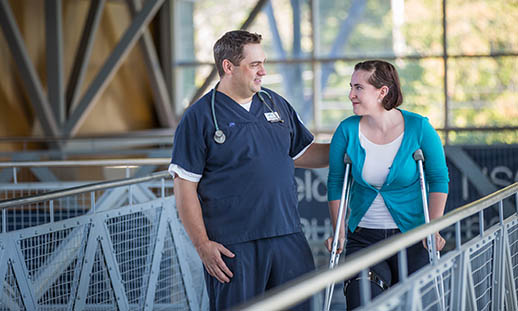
point(233, 165)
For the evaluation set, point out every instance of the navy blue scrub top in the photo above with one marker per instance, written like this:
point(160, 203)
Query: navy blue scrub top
point(247, 189)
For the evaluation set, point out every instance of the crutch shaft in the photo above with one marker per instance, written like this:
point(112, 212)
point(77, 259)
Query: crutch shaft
point(433, 255)
point(333, 260)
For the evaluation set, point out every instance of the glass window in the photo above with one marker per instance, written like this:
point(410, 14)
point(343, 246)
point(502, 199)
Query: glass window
point(483, 91)
point(482, 26)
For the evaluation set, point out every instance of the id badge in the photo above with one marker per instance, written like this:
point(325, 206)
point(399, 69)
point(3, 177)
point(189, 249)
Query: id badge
point(272, 116)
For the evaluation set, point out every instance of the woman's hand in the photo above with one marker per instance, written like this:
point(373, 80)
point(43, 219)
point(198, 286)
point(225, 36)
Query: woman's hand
point(440, 242)
point(329, 244)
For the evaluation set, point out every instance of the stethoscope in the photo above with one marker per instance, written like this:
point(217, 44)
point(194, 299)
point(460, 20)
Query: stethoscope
point(219, 136)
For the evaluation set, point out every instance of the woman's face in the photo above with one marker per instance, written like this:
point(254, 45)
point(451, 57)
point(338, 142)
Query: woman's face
point(366, 98)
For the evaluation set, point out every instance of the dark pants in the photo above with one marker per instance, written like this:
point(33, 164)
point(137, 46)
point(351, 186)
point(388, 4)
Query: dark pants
point(259, 266)
point(386, 271)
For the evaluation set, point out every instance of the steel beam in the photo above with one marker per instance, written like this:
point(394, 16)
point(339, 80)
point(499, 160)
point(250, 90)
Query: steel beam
point(27, 71)
point(468, 167)
point(161, 96)
point(54, 55)
point(83, 53)
point(167, 50)
point(108, 70)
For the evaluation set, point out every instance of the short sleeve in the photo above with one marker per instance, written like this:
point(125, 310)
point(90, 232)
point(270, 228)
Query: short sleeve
point(189, 147)
point(301, 137)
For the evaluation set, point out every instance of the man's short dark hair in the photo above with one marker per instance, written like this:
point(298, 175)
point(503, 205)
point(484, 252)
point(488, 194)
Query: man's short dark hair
point(230, 47)
point(384, 74)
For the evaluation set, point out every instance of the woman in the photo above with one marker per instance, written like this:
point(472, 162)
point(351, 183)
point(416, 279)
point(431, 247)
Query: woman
point(380, 140)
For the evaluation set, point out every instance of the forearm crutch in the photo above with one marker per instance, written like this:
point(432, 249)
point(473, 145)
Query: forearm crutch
point(344, 203)
point(433, 254)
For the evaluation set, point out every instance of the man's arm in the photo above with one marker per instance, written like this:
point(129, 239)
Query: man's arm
point(189, 209)
point(316, 156)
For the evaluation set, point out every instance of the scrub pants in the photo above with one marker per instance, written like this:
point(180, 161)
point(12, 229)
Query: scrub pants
point(258, 266)
point(387, 270)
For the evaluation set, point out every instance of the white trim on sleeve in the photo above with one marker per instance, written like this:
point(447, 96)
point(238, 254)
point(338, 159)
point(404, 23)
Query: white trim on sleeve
point(303, 150)
point(177, 170)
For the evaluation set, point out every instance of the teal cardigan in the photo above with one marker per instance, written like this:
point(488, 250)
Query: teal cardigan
point(401, 190)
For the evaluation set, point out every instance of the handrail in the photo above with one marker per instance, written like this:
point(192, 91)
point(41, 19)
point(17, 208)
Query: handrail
point(81, 189)
point(311, 283)
point(77, 163)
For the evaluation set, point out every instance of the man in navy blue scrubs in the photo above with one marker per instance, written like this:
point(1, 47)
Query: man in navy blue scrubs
point(237, 195)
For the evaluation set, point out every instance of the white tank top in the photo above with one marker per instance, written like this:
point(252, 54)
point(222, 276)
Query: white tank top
point(378, 160)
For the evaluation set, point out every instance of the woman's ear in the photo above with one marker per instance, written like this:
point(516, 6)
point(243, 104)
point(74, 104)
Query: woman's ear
point(384, 90)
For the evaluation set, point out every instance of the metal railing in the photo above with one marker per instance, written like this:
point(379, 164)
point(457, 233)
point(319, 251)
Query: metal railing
point(15, 166)
point(103, 196)
point(40, 208)
point(133, 257)
point(481, 274)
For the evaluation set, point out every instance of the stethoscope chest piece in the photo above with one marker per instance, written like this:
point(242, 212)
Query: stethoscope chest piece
point(219, 136)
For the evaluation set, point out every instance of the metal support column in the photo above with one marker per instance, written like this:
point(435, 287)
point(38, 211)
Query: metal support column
point(54, 55)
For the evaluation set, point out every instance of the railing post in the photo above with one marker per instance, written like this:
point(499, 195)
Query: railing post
point(365, 287)
point(458, 236)
point(501, 213)
point(402, 265)
point(481, 223)
point(92, 201)
point(15, 179)
point(499, 278)
point(163, 187)
point(4, 220)
point(51, 210)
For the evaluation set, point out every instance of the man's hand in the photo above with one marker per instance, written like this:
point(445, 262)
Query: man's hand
point(439, 242)
point(329, 244)
point(210, 253)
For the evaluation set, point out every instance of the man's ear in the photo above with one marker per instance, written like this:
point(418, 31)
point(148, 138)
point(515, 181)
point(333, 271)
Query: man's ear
point(227, 66)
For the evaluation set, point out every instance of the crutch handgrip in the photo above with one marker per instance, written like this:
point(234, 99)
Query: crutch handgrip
point(418, 155)
point(347, 160)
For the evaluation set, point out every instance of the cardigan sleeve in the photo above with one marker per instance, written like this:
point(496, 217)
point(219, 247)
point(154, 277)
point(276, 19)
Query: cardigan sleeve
point(335, 177)
point(436, 171)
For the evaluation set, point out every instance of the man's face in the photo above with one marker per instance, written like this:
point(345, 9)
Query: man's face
point(247, 77)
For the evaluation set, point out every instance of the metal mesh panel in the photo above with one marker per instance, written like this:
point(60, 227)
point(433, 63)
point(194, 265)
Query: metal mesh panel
point(195, 264)
point(133, 237)
point(72, 206)
point(7, 194)
point(11, 298)
point(482, 272)
point(170, 287)
point(30, 215)
point(432, 295)
point(39, 249)
point(52, 263)
point(63, 266)
point(27, 215)
point(447, 280)
point(100, 291)
point(513, 247)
